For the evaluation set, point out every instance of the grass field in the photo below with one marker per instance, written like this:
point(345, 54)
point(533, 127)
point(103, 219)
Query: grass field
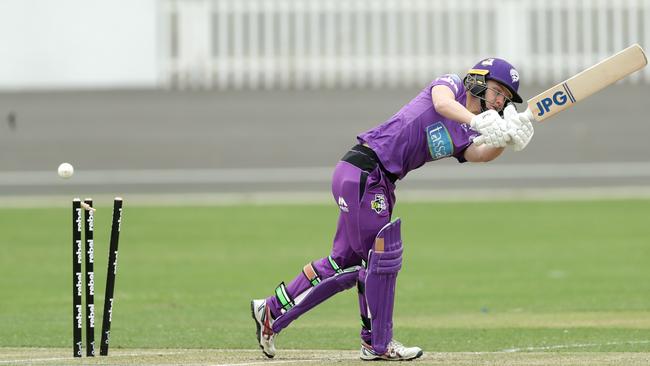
point(490, 283)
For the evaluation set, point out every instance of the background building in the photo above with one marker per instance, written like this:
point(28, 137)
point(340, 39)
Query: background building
point(223, 96)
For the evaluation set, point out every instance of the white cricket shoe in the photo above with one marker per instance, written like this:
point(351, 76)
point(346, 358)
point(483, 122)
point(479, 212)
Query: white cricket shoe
point(263, 321)
point(395, 352)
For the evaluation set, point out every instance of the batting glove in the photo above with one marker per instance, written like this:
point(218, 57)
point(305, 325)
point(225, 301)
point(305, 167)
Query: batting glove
point(493, 129)
point(520, 127)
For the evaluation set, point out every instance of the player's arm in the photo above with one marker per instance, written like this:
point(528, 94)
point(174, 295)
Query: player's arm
point(444, 101)
point(488, 123)
point(446, 105)
point(482, 153)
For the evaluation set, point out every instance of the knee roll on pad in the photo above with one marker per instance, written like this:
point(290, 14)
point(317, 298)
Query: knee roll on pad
point(310, 272)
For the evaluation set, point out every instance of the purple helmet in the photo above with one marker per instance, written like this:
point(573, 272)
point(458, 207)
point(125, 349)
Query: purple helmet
point(496, 69)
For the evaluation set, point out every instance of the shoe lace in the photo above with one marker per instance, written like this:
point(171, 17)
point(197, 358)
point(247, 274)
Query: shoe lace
point(395, 346)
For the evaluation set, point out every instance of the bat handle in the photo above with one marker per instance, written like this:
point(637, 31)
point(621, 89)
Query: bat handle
point(529, 114)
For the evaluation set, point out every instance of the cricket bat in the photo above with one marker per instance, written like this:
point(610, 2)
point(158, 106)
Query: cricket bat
point(580, 86)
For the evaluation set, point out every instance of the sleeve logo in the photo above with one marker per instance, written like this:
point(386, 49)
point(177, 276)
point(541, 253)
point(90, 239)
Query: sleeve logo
point(439, 139)
point(451, 79)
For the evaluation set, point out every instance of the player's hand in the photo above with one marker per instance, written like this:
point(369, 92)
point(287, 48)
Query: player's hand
point(493, 137)
point(493, 129)
point(520, 127)
point(487, 119)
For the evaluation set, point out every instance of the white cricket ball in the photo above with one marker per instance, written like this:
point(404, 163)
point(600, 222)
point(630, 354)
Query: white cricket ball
point(66, 170)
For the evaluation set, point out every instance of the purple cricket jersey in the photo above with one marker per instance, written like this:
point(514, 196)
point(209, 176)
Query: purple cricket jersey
point(417, 134)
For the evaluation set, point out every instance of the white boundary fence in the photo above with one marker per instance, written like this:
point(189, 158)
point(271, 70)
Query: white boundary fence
point(264, 44)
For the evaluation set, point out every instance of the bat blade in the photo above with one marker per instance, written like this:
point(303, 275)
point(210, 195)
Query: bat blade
point(580, 86)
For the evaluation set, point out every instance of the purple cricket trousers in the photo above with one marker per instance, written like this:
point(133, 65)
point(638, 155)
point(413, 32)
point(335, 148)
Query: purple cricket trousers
point(365, 195)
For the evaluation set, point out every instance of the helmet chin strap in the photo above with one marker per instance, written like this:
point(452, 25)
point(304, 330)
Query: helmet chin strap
point(482, 100)
point(484, 107)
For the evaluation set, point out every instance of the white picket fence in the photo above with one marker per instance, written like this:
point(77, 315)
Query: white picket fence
point(264, 44)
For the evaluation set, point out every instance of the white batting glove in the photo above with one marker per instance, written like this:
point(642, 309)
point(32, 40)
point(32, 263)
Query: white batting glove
point(520, 127)
point(493, 129)
point(484, 120)
point(493, 137)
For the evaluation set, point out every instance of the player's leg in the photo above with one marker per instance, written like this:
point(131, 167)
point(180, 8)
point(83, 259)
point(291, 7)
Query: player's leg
point(375, 210)
point(384, 263)
point(319, 279)
point(323, 278)
point(377, 280)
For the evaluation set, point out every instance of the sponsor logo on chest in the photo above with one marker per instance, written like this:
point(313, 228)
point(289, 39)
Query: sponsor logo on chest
point(439, 140)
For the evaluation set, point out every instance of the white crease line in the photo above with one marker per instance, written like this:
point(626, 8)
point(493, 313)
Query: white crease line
point(265, 363)
point(154, 353)
point(579, 345)
point(245, 364)
point(78, 358)
point(278, 362)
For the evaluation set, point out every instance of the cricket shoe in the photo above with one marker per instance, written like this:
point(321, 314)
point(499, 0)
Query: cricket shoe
point(263, 321)
point(395, 352)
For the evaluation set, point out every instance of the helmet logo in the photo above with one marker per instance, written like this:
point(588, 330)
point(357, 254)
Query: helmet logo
point(487, 62)
point(514, 75)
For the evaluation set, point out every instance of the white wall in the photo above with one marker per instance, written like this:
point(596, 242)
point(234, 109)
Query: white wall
point(52, 44)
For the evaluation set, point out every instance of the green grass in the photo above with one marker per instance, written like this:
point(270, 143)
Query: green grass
point(476, 276)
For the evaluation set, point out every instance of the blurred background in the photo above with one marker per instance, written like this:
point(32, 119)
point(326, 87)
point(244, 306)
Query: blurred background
point(215, 99)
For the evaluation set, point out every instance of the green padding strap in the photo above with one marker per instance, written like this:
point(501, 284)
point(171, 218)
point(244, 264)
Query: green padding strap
point(335, 266)
point(283, 297)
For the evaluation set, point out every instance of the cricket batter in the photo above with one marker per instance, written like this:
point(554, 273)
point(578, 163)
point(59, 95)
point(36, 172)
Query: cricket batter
point(442, 121)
